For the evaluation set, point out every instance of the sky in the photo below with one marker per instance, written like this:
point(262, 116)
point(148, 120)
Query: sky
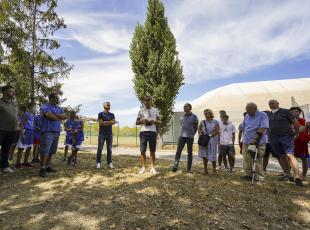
point(219, 42)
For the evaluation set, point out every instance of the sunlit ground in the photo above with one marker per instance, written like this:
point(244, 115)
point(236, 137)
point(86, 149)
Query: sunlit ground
point(83, 197)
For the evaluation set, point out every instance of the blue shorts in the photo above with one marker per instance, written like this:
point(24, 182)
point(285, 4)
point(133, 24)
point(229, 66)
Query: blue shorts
point(49, 143)
point(148, 137)
point(282, 144)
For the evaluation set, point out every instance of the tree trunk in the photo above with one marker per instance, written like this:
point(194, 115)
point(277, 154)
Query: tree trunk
point(33, 53)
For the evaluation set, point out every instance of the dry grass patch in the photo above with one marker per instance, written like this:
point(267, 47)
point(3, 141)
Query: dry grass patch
point(86, 198)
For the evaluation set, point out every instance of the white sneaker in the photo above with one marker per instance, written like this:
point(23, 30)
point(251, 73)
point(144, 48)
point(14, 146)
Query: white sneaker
point(153, 171)
point(111, 166)
point(142, 170)
point(98, 166)
point(7, 170)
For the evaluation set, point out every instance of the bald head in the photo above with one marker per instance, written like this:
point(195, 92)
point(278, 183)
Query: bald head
point(273, 104)
point(251, 108)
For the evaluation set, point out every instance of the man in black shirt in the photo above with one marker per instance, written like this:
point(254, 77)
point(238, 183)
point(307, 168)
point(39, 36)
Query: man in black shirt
point(282, 128)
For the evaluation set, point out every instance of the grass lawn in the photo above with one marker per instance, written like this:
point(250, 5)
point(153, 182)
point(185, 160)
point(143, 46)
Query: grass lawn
point(83, 197)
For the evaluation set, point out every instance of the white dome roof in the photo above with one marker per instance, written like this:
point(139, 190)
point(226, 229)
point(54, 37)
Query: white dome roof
point(233, 97)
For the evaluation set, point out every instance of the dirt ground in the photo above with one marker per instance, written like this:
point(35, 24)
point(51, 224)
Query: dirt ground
point(83, 197)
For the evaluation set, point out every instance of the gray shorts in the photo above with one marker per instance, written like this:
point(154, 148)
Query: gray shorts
point(49, 143)
point(227, 150)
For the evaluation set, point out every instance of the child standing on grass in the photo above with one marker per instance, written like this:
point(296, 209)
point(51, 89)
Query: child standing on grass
point(36, 142)
point(77, 137)
point(26, 137)
point(68, 128)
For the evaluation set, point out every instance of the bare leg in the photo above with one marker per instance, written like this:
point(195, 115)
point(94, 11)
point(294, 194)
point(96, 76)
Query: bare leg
point(19, 155)
point(225, 161)
point(220, 158)
point(143, 160)
point(304, 167)
point(214, 166)
point(152, 156)
point(66, 152)
point(265, 163)
point(231, 160)
point(284, 162)
point(12, 150)
point(205, 163)
point(294, 165)
point(27, 154)
point(43, 160)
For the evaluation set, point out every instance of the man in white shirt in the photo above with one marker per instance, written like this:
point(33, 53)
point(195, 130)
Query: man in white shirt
point(227, 140)
point(148, 118)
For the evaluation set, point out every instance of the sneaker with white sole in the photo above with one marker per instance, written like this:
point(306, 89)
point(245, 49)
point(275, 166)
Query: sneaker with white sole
point(111, 166)
point(7, 170)
point(153, 171)
point(98, 165)
point(142, 170)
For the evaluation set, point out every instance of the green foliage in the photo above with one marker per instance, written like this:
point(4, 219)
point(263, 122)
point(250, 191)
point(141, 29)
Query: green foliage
point(26, 51)
point(155, 63)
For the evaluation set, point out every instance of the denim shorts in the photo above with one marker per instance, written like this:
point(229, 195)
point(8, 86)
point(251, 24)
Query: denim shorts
point(49, 143)
point(148, 137)
point(227, 150)
point(282, 144)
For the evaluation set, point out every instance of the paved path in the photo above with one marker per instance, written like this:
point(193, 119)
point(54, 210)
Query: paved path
point(170, 154)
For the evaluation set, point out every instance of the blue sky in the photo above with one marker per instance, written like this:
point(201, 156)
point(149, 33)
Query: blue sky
point(219, 42)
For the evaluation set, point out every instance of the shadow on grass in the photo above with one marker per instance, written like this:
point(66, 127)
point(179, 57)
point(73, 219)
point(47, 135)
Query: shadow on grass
point(87, 198)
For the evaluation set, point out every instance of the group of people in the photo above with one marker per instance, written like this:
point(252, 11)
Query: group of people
point(279, 131)
point(282, 132)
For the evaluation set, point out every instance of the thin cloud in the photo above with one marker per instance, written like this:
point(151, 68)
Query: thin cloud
point(219, 39)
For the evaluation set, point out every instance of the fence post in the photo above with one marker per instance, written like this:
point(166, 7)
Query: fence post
point(90, 124)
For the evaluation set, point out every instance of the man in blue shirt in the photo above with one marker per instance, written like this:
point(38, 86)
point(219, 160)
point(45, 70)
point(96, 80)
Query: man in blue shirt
point(51, 117)
point(254, 128)
point(106, 121)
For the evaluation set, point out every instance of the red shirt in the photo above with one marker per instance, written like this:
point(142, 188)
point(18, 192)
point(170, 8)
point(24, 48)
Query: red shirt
point(301, 142)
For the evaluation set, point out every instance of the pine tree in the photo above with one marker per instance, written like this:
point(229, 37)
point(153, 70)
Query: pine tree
point(28, 38)
point(155, 63)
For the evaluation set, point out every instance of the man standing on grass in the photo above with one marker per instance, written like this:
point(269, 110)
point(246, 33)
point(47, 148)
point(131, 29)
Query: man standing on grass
point(189, 126)
point(8, 121)
point(283, 127)
point(148, 118)
point(254, 128)
point(227, 141)
point(106, 121)
point(51, 117)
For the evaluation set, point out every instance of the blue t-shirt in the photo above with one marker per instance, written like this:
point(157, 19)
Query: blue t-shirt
point(77, 125)
point(29, 122)
point(69, 124)
point(49, 125)
point(106, 130)
point(251, 124)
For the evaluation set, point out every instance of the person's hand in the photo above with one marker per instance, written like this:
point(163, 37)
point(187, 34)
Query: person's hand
point(252, 149)
point(302, 129)
point(253, 142)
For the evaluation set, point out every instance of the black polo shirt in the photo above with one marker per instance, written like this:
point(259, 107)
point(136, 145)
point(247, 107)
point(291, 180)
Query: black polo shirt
point(280, 122)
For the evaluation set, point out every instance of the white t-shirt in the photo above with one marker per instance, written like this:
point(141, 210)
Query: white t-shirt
point(149, 114)
point(226, 132)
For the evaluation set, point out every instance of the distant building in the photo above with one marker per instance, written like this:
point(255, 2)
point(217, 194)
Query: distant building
point(233, 97)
